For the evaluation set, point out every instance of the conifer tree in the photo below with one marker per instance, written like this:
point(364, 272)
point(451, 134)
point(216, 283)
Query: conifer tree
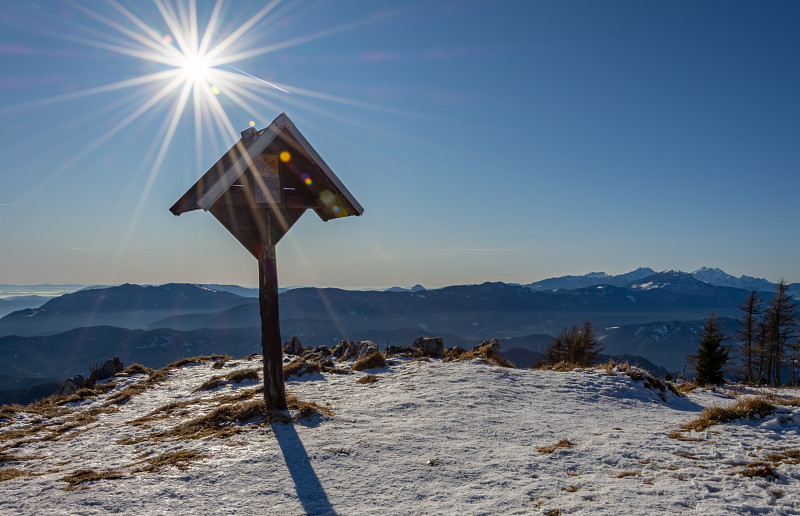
point(712, 356)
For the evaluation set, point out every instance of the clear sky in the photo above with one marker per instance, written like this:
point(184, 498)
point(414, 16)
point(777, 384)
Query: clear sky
point(487, 140)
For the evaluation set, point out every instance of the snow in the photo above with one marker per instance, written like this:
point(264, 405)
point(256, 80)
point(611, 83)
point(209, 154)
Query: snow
point(426, 438)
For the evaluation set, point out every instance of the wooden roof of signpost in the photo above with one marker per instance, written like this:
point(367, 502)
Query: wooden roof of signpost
point(265, 182)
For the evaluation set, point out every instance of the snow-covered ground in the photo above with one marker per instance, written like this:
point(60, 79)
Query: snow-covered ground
point(426, 438)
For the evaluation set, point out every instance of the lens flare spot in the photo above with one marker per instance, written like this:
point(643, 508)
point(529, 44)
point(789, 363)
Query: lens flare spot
point(327, 197)
point(215, 90)
point(252, 123)
point(285, 156)
point(307, 179)
point(166, 39)
point(336, 209)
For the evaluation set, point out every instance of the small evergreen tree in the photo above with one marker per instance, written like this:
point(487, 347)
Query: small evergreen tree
point(712, 356)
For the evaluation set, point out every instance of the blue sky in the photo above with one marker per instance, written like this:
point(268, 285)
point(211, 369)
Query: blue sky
point(487, 141)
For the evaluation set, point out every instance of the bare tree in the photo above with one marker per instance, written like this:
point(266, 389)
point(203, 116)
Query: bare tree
point(748, 333)
point(780, 321)
point(577, 345)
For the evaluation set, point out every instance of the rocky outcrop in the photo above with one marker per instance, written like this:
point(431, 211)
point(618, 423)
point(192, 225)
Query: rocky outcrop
point(72, 385)
point(293, 346)
point(402, 351)
point(491, 346)
point(107, 370)
point(348, 349)
point(430, 346)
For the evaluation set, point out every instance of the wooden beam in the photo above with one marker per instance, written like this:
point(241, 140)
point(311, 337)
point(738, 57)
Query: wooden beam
point(274, 389)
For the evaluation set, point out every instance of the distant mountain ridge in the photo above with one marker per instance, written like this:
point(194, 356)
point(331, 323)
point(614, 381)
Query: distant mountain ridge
point(712, 276)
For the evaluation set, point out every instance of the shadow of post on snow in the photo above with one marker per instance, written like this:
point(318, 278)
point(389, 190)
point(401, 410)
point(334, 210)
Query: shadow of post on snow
point(309, 490)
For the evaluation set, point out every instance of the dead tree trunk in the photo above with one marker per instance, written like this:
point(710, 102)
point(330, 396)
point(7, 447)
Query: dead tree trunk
point(274, 390)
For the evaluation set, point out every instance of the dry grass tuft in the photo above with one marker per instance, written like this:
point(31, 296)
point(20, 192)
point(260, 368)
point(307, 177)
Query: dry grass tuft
point(178, 459)
point(138, 369)
point(221, 422)
point(627, 474)
point(784, 402)
point(563, 443)
point(162, 412)
point(686, 455)
point(240, 412)
point(235, 377)
point(370, 361)
point(571, 489)
point(485, 354)
point(76, 478)
point(681, 436)
point(366, 380)
point(562, 367)
point(684, 387)
point(299, 367)
point(11, 473)
point(194, 360)
point(790, 456)
point(124, 395)
point(757, 470)
point(744, 408)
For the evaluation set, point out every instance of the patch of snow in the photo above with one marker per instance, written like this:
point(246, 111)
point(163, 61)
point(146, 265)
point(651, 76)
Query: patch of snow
point(426, 438)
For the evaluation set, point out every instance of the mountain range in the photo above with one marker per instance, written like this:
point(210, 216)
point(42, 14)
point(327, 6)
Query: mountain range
point(651, 317)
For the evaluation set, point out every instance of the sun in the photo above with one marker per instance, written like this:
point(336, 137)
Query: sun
point(195, 68)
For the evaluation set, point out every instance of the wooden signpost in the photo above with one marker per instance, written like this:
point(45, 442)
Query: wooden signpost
point(258, 190)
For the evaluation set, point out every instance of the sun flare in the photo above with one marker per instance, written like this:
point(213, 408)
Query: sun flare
point(195, 68)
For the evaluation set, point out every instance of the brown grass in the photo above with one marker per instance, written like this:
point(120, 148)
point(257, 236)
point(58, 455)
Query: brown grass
point(791, 456)
point(366, 380)
point(11, 473)
point(686, 455)
point(755, 470)
point(744, 408)
point(162, 412)
point(124, 395)
point(76, 478)
point(194, 360)
point(571, 489)
point(138, 369)
point(299, 367)
point(235, 377)
point(370, 361)
point(627, 474)
point(563, 443)
point(684, 387)
point(178, 459)
point(562, 367)
point(229, 419)
point(681, 436)
point(484, 354)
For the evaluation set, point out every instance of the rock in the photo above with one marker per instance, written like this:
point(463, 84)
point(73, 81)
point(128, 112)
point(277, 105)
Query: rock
point(401, 351)
point(72, 385)
point(491, 347)
point(348, 349)
point(320, 350)
point(454, 352)
point(293, 346)
point(340, 349)
point(430, 346)
point(107, 370)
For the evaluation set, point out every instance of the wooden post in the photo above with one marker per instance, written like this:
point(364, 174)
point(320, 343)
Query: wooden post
point(274, 391)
